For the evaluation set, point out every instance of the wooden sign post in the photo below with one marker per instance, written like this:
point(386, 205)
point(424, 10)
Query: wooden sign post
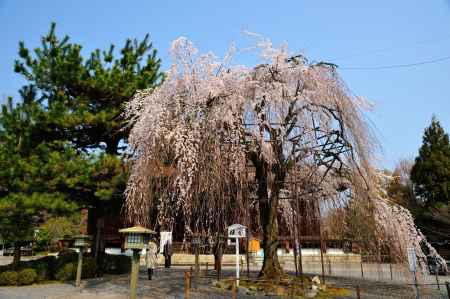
point(196, 242)
point(237, 231)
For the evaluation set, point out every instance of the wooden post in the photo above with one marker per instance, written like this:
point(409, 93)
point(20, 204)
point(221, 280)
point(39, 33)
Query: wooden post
point(299, 244)
point(447, 285)
point(247, 256)
point(361, 258)
point(321, 259)
point(378, 260)
point(234, 290)
point(134, 273)
point(322, 246)
point(247, 229)
point(329, 265)
point(390, 259)
point(358, 292)
point(296, 229)
point(187, 284)
point(197, 265)
point(300, 263)
point(295, 253)
point(390, 269)
point(79, 267)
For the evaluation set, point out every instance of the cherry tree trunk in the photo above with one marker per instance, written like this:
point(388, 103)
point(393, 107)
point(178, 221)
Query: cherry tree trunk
point(268, 178)
point(271, 268)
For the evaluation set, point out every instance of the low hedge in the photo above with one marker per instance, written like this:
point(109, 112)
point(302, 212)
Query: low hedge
point(26, 276)
point(67, 272)
point(63, 268)
point(45, 267)
point(8, 278)
point(89, 268)
point(23, 277)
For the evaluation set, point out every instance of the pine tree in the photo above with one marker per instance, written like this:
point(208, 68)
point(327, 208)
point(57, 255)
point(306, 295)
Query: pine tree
point(430, 176)
point(431, 171)
point(85, 98)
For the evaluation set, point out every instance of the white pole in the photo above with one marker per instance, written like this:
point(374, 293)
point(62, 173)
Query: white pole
point(237, 262)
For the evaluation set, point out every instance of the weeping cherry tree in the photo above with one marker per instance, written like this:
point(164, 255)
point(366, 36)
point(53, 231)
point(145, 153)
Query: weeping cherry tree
point(210, 119)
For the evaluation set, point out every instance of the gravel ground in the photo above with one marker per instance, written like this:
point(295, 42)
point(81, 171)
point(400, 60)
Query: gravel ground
point(377, 289)
point(168, 283)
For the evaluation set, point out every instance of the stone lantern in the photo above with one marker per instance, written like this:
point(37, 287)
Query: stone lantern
point(81, 242)
point(135, 238)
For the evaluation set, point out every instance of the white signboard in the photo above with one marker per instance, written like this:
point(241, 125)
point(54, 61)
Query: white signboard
point(165, 237)
point(237, 231)
point(412, 259)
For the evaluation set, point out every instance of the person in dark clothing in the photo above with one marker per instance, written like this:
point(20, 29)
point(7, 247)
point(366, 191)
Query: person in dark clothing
point(218, 253)
point(167, 251)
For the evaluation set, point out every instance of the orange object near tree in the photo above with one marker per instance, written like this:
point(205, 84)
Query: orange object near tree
point(254, 245)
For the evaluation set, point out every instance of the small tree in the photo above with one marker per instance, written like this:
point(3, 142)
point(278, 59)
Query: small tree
point(55, 228)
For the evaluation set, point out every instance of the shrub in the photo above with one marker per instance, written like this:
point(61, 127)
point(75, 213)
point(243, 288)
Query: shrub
point(89, 269)
point(27, 276)
point(66, 256)
point(45, 267)
point(67, 272)
point(116, 264)
point(42, 272)
point(49, 267)
point(8, 278)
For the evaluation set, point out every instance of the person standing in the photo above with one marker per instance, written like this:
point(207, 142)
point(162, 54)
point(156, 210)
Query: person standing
point(218, 253)
point(167, 251)
point(151, 258)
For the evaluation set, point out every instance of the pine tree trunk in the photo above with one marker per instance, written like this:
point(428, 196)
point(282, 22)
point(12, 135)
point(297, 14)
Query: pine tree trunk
point(96, 223)
point(16, 259)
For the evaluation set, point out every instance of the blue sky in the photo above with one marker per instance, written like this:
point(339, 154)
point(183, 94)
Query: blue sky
point(348, 33)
